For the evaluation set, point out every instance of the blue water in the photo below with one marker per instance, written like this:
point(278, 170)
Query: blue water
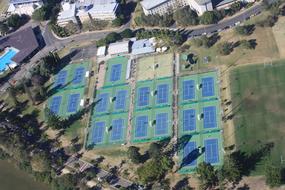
point(6, 59)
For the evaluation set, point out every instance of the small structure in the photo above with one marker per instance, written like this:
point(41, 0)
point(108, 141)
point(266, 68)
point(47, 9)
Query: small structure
point(67, 14)
point(119, 48)
point(101, 52)
point(143, 46)
point(97, 9)
point(24, 6)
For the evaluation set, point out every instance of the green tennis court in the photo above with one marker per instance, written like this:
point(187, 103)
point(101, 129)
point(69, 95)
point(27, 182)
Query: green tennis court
point(152, 125)
point(199, 127)
point(116, 71)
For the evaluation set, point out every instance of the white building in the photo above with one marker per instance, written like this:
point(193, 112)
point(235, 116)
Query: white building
point(24, 6)
point(119, 48)
point(143, 46)
point(101, 52)
point(164, 6)
point(97, 9)
point(161, 7)
point(67, 14)
point(200, 6)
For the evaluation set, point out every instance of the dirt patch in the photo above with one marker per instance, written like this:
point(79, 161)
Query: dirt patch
point(256, 183)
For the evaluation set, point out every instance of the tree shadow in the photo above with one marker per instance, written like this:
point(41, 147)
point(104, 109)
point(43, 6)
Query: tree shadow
point(253, 43)
point(183, 141)
point(54, 90)
point(248, 161)
point(191, 157)
point(127, 10)
point(181, 184)
point(213, 39)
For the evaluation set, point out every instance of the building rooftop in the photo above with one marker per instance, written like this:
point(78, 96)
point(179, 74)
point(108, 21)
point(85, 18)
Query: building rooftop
point(101, 51)
point(119, 47)
point(142, 46)
point(150, 4)
point(23, 1)
point(24, 40)
point(67, 12)
point(202, 2)
point(98, 6)
point(218, 3)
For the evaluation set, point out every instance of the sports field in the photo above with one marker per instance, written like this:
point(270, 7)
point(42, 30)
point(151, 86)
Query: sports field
point(259, 108)
point(199, 126)
point(157, 66)
point(69, 86)
point(116, 71)
point(109, 120)
point(153, 93)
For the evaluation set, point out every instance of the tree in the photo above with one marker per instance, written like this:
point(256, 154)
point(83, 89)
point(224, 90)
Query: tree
point(273, 175)
point(154, 169)
point(14, 21)
point(235, 7)
point(127, 33)
point(12, 95)
point(154, 150)
point(247, 44)
point(53, 120)
point(134, 154)
point(29, 93)
point(244, 30)
point(209, 17)
point(38, 82)
point(40, 162)
point(118, 21)
point(207, 175)
point(185, 17)
point(225, 48)
point(4, 29)
point(231, 170)
point(40, 14)
point(112, 37)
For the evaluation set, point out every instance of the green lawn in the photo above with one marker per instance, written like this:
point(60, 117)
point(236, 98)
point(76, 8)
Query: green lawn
point(259, 107)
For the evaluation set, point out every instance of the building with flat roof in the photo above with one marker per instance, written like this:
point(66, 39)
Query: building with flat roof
point(24, 6)
point(119, 48)
point(97, 9)
point(67, 14)
point(151, 7)
point(25, 41)
point(101, 51)
point(143, 46)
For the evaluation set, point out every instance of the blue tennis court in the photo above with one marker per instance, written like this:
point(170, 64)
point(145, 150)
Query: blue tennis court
point(78, 75)
point(188, 89)
point(141, 126)
point(209, 117)
point(143, 96)
point(189, 120)
point(98, 132)
point(162, 93)
point(117, 129)
point(121, 97)
point(61, 78)
point(190, 154)
point(208, 87)
point(55, 104)
point(73, 101)
point(211, 151)
point(161, 127)
point(116, 71)
point(102, 102)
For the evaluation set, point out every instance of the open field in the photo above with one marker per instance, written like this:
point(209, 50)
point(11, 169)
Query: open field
point(157, 66)
point(259, 108)
point(279, 33)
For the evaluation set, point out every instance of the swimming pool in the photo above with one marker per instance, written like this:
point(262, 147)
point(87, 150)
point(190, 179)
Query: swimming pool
point(6, 58)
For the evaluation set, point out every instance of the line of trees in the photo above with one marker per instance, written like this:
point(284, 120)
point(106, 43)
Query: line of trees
point(12, 23)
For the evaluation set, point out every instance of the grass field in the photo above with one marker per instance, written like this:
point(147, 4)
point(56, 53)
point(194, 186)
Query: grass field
point(279, 33)
point(146, 66)
point(259, 108)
